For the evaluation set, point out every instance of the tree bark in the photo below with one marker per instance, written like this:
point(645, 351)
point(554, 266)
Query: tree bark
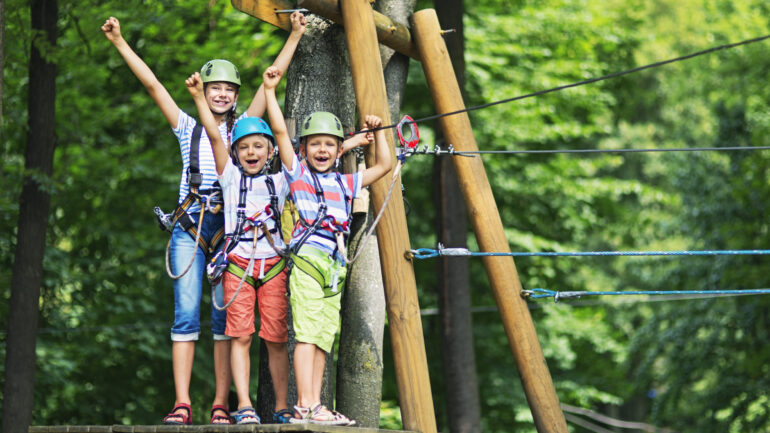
point(2, 61)
point(318, 79)
point(27, 272)
point(462, 396)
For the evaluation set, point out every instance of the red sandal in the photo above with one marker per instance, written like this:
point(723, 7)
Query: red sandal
point(171, 418)
point(217, 419)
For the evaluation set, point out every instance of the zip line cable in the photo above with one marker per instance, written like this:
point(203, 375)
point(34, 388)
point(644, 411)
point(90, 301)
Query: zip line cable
point(438, 151)
point(427, 253)
point(578, 83)
point(557, 295)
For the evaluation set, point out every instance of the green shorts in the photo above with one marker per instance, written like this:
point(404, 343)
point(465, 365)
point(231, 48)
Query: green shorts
point(315, 307)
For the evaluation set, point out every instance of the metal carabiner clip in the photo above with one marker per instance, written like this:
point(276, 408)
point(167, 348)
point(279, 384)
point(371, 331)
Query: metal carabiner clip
point(414, 136)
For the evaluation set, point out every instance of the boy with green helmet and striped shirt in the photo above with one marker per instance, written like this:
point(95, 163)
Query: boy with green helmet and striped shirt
point(324, 199)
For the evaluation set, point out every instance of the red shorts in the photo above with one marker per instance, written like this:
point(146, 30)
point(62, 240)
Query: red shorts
point(271, 298)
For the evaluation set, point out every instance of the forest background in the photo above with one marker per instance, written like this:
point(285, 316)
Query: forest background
point(697, 364)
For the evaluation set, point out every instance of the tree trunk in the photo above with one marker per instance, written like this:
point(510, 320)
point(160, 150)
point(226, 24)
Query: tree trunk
point(318, 79)
point(462, 397)
point(27, 273)
point(2, 61)
point(359, 369)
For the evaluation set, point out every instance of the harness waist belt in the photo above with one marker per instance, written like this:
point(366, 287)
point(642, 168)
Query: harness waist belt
point(239, 272)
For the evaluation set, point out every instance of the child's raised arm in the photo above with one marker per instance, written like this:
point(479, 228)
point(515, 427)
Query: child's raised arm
point(159, 94)
point(270, 78)
point(195, 86)
point(298, 23)
point(382, 162)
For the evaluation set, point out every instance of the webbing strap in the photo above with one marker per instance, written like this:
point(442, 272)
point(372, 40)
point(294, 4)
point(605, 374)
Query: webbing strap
point(194, 173)
point(238, 272)
point(320, 217)
point(208, 248)
point(305, 266)
point(240, 225)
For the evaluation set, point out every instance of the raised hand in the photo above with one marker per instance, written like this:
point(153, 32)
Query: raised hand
point(372, 122)
point(111, 29)
point(271, 77)
point(298, 22)
point(194, 84)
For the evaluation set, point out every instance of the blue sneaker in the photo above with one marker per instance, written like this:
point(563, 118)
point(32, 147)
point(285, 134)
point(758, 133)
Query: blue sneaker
point(283, 416)
point(247, 415)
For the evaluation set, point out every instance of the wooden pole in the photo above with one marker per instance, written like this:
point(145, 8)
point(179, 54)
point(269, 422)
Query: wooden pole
point(485, 218)
point(389, 32)
point(397, 273)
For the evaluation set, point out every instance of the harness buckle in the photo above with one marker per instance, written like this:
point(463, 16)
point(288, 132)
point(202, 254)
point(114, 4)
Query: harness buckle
point(194, 178)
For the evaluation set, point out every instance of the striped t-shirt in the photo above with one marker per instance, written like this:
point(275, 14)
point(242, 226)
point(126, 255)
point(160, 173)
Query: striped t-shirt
point(303, 193)
point(257, 198)
point(207, 166)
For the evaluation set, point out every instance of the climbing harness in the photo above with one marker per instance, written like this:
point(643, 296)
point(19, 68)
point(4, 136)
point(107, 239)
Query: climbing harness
point(328, 224)
point(210, 200)
point(323, 220)
point(219, 264)
point(311, 270)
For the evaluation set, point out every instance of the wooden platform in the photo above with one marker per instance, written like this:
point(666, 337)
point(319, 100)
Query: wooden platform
point(205, 428)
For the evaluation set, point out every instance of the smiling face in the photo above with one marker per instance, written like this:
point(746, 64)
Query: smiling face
point(253, 151)
point(321, 150)
point(221, 95)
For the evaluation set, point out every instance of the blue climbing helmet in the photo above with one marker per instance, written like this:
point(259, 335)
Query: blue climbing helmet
point(249, 126)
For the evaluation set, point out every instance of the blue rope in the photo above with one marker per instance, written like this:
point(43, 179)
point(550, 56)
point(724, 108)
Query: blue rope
point(545, 293)
point(427, 253)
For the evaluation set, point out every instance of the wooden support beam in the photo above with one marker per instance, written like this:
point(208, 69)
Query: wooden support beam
point(485, 218)
point(390, 33)
point(265, 11)
point(397, 273)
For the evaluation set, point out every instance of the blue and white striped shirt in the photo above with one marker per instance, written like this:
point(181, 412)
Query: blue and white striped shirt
point(208, 167)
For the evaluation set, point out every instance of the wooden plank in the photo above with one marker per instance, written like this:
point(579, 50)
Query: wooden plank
point(406, 333)
point(205, 428)
point(390, 33)
point(485, 218)
point(265, 11)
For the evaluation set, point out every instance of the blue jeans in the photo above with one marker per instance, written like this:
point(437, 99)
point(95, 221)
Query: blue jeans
point(188, 290)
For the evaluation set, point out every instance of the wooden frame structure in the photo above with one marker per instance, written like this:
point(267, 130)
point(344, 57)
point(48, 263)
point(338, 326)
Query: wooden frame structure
point(364, 27)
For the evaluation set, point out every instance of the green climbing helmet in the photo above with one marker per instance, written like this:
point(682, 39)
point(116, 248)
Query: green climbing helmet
point(220, 70)
point(321, 122)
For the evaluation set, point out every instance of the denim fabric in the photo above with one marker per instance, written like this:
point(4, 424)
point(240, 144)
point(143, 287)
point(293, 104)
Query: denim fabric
point(188, 290)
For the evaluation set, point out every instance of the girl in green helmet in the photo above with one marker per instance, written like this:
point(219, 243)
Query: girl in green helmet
point(222, 83)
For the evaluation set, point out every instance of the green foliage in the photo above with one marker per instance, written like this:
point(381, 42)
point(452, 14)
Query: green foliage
point(107, 305)
point(695, 365)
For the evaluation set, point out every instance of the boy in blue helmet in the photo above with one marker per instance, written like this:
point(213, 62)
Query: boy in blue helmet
point(255, 271)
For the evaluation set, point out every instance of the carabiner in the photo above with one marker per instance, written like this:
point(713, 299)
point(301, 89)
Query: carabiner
point(414, 136)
